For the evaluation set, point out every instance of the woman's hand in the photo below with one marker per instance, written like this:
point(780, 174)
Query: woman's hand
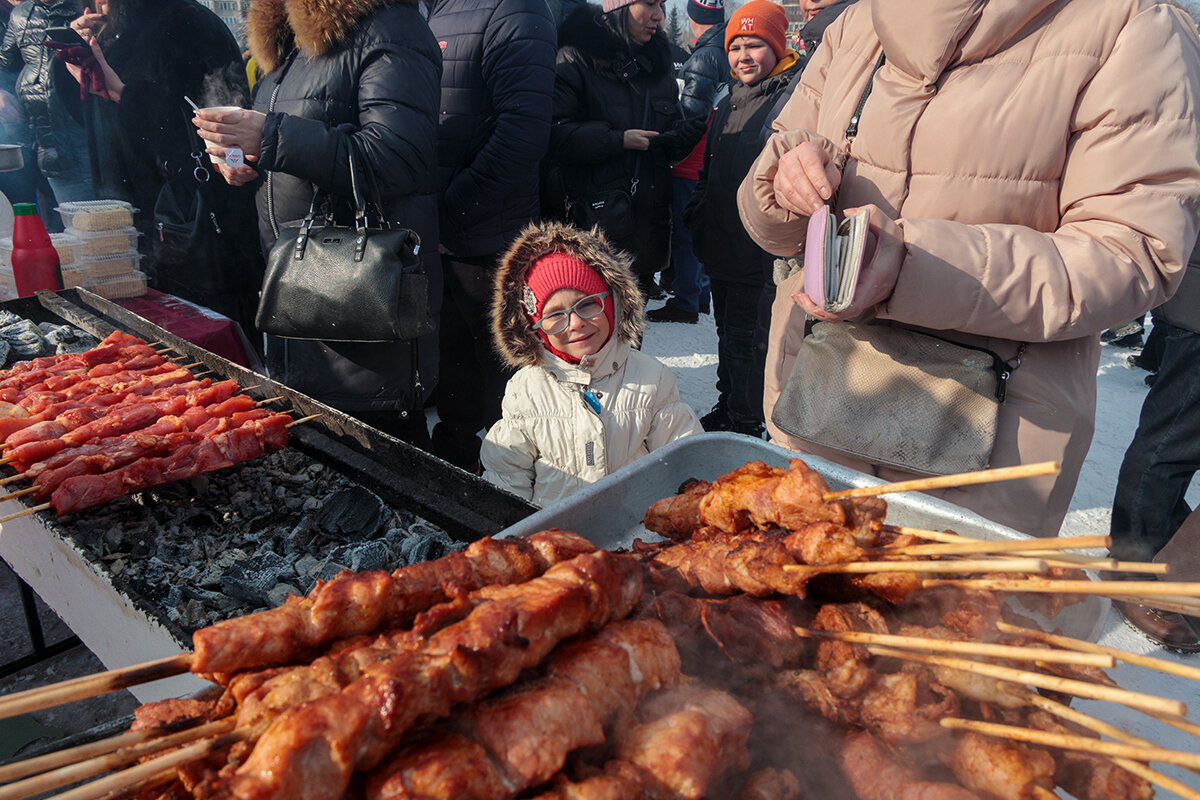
point(237, 176)
point(805, 179)
point(636, 139)
point(881, 267)
point(112, 82)
point(88, 25)
point(231, 128)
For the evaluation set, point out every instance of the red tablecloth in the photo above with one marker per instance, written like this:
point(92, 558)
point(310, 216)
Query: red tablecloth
point(201, 326)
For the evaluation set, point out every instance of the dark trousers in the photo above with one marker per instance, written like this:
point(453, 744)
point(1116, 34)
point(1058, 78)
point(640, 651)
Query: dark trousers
point(1165, 453)
point(471, 376)
point(690, 285)
point(741, 352)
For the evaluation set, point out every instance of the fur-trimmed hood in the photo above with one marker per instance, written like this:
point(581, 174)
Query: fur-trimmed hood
point(584, 32)
point(316, 26)
point(521, 347)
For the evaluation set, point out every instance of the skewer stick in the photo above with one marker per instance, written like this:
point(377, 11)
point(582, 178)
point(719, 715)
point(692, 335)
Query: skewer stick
point(104, 763)
point(21, 493)
point(1051, 586)
point(998, 546)
point(26, 512)
point(72, 755)
point(309, 418)
point(1069, 742)
point(1064, 711)
point(7, 459)
point(12, 478)
point(1042, 793)
point(124, 780)
point(92, 685)
point(1023, 565)
point(948, 481)
point(1179, 724)
point(1177, 604)
point(982, 649)
point(1137, 700)
point(1169, 667)
point(269, 400)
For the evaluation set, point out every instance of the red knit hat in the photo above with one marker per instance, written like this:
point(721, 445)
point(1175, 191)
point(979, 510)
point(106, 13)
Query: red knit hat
point(553, 271)
point(760, 18)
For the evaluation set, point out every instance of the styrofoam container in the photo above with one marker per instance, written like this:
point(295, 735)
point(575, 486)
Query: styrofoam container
point(99, 267)
point(96, 215)
point(105, 243)
point(130, 285)
point(69, 249)
point(609, 513)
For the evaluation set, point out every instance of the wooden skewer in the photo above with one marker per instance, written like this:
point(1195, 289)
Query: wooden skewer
point(983, 649)
point(998, 546)
point(105, 763)
point(1169, 667)
point(1081, 743)
point(21, 493)
point(1091, 723)
point(1086, 562)
point(7, 459)
point(72, 755)
point(12, 478)
point(122, 781)
point(948, 481)
point(1179, 724)
point(1094, 691)
point(92, 685)
point(1042, 793)
point(1177, 604)
point(1110, 588)
point(26, 512)
point(270, 400)
point(309, 418)
point(1024, 565)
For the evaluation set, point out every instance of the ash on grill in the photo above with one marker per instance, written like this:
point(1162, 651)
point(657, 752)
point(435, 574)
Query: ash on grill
point(228, 543)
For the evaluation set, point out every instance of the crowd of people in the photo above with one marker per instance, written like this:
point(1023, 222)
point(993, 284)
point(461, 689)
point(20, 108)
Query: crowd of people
point(1029, 171)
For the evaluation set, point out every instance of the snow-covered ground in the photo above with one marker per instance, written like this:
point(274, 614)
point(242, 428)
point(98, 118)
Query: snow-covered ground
point(691, 353)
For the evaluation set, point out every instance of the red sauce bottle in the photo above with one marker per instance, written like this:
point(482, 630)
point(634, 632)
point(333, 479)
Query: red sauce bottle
point(34, 259)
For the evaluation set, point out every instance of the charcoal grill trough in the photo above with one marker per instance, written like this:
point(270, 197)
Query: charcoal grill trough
point(134, 577)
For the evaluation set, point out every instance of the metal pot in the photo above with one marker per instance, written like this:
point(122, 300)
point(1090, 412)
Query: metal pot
point(10, 157)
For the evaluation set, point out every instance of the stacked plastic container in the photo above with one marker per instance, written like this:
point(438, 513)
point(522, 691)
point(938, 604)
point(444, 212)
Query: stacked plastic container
point(108, 257)
point(69, 258)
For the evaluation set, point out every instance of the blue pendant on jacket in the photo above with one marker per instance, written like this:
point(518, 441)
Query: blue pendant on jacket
point(590, 400)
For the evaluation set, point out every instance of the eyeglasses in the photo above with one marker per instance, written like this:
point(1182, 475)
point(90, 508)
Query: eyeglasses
point(558, 321)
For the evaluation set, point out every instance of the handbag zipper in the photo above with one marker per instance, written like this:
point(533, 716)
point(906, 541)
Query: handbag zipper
point(1003, 368)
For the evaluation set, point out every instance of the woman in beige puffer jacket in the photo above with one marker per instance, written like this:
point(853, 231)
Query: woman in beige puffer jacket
point(1034, 172)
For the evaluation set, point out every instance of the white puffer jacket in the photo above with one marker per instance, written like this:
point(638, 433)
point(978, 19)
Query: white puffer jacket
point(549, 441)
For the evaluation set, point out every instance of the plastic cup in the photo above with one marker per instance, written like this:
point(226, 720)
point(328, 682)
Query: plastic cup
point(213, 158)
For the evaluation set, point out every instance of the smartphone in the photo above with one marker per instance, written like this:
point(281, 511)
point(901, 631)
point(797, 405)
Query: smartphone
point(64, 36)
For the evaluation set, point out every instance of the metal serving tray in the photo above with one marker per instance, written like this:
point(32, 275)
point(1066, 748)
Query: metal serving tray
point(610, 511)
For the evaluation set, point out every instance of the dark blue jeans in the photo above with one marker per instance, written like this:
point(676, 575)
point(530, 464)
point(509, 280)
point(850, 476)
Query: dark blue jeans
point(1165, 453)
point(741, 352)
point(690, 286)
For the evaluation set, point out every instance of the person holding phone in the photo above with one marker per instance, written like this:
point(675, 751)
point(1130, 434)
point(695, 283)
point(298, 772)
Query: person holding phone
point(149, 56)
point(48, 96)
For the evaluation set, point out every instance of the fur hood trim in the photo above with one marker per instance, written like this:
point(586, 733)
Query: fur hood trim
point(516, 344)
point(316, 26)
point(584, 32)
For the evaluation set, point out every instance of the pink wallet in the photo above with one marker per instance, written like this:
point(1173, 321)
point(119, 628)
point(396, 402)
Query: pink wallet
point(833, 256)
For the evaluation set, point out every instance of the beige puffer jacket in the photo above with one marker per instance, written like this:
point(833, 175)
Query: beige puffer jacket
point(549, 441)
point(1042, 158)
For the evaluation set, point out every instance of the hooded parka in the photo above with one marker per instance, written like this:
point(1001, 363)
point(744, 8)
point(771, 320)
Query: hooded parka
point(600, 91)
point(368, 69)
point(550, 441)
point(1042, 160)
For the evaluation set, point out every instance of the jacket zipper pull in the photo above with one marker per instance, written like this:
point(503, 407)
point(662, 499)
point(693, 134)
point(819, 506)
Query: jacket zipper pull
point(589, 400)
point(159, 225)
point(213, 216)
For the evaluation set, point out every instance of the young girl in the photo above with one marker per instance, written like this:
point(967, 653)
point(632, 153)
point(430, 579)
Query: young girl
point(567, 313)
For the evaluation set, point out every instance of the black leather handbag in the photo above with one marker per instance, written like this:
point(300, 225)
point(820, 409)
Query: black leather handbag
point(339, 283)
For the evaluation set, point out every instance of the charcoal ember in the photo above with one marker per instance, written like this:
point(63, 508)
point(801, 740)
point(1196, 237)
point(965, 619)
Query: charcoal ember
point(363, 555)
point(251, 580)
point(5, 352)
point(172, 552)
point(301, 538)
point(329, 568)
point(25, 338)
point(7, 317)
point(67, 338)
point(279, 594)
point(351, 514)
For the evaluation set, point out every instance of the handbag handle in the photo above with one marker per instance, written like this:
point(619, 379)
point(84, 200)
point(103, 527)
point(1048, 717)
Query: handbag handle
point(355, 157)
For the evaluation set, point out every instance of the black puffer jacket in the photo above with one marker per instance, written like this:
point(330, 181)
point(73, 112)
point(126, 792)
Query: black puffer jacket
point(340, 68)
point(704, 72)
point(735, 140)
point(47, 91)
point(497, 83)
point(593, 107)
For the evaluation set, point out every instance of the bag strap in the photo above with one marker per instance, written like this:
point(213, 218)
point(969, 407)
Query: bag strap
point(637, 160)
